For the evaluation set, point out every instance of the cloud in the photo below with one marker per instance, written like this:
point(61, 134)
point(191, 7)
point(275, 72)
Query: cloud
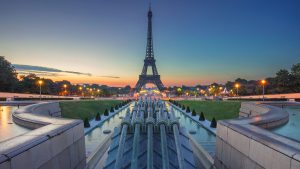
point(40, 69)
point(47, 71)
point(113, 77)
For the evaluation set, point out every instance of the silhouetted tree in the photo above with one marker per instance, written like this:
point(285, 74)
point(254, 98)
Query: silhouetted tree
point(86, 123)
point(194, 112)
point(213, 123)
point(202, 117)
point(188, 109)
point(98, 117)
point(105, 112)
point(8, 76)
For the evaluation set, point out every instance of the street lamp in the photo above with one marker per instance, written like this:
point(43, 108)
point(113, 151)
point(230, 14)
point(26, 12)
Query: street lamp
point(40, 82)
point(65, 86)
point(91, 90)
point(237, 89)
point(263, 82)
point(98, 90)
point(80, 89)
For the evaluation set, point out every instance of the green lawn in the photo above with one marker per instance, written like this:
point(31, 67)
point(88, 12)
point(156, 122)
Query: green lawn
point(86, 108)
point(218, 109)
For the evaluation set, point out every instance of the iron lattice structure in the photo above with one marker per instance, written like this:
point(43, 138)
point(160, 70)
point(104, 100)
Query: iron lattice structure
point(149, 60)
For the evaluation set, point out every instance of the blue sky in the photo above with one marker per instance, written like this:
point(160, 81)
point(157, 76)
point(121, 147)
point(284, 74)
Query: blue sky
point(195, 41)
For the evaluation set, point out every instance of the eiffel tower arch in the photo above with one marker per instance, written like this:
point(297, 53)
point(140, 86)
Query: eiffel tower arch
point(149, 61)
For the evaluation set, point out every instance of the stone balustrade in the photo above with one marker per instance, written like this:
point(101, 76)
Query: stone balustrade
point(245, 143)
point(53, 143)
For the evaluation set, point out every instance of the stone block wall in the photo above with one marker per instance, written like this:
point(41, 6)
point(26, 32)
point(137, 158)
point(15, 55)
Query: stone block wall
point(244, 144)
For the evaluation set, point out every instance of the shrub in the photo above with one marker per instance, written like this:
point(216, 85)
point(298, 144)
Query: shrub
point(193, 112)
point(98, 117)
point(116, 107)
point(106, 112)
point(188, 109)
point(86, 123)
point(202, 117)
point(183, 107)
point(213, 123)
point(111, 109)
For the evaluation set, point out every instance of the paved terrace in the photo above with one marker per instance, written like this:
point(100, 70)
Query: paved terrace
point(273, 96)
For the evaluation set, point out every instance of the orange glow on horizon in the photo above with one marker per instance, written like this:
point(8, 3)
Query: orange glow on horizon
point(132, 80)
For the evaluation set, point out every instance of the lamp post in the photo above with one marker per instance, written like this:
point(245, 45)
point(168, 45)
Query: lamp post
point(40, 82)
point(263, 82)
point(80, 89)
point(65, 86)
point(237, 89)
point(98, 90)
point(91, 90)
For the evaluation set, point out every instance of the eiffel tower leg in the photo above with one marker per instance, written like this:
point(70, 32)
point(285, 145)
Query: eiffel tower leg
point(139, 85)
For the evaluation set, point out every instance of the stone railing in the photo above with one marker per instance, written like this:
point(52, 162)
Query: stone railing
point(54, 142)
point(244, 143)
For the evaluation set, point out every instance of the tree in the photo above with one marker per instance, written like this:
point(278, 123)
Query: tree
point(283, 81)
point(213, 123)
point(202, 117)
point(188, 109)
point(28, 84)
point(194, 112)
point(8, 76)
point(86, 123)
point(98, 117)
point(295, 73)
point(106, 112)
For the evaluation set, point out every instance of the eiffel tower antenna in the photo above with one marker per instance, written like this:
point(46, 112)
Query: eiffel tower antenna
point(149, 60)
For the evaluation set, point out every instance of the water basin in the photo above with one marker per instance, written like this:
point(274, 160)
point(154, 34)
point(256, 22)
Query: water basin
point(8, 128)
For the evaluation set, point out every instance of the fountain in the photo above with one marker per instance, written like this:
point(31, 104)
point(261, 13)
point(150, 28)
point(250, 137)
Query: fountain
point(150, 136)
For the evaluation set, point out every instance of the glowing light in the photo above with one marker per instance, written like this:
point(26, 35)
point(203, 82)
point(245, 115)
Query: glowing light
point(237, 85)
point(263, 82)
point(40, 82)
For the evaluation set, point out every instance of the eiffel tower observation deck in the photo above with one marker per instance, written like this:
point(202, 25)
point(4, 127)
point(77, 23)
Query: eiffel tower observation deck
point(149, 61)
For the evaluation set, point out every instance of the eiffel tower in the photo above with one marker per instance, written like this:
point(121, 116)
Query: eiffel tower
point(149, 60)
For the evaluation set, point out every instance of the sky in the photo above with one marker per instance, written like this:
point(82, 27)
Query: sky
point(195, 41)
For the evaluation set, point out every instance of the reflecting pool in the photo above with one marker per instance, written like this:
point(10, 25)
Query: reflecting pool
point(292, 128)
point(204, 137)
point(8, 128)
point(96, 136)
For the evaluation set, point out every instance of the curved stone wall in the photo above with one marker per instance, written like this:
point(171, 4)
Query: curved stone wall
point(54, 142)
point(244, 143)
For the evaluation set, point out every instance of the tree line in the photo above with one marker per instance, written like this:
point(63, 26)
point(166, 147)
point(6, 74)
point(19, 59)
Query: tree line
point(285, 81)
point(10, 82)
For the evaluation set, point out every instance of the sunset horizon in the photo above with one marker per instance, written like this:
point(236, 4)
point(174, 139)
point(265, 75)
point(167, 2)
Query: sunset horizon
point(111, 52)
point(150, 84)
